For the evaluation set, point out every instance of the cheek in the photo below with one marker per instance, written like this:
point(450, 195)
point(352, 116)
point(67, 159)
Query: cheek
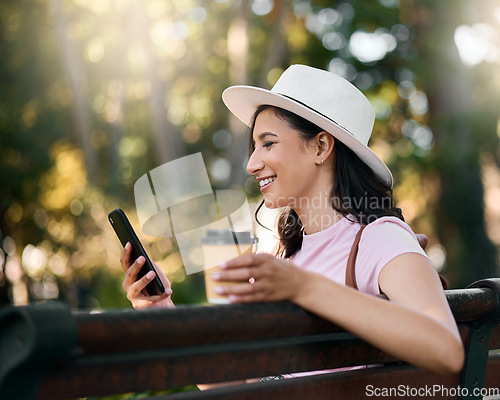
point(286, 159)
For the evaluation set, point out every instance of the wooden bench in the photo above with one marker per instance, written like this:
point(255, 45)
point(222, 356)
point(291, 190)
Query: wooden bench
point(49, 352)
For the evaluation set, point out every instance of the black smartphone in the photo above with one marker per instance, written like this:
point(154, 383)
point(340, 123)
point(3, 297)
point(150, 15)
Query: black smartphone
point(125, 233)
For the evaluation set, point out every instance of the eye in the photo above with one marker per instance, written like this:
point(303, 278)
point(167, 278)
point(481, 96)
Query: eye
point(268, 144)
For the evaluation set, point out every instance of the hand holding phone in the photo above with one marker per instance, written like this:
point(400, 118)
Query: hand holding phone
point(126, 233)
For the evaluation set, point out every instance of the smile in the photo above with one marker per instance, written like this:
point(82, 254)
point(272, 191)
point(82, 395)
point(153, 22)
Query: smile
point(266, 181)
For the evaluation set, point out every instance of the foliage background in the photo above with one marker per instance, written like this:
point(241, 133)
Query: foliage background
point(95, 93)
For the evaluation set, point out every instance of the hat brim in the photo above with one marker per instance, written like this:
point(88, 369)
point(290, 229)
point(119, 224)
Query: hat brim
point(242, 101)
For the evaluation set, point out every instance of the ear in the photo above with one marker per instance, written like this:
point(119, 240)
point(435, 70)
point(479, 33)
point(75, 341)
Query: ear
point(324, 143)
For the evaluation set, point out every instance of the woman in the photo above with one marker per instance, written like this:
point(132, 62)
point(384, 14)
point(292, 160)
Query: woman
point(310, 156)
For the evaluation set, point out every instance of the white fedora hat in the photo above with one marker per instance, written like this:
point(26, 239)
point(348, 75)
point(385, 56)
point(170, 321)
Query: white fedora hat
point(321, 97)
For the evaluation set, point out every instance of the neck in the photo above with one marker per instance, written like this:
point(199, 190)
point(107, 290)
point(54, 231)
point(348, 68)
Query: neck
point(316, 213)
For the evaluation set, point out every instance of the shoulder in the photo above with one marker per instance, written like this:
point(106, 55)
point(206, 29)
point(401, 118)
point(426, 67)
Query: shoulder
point(382, 241)
point(387, 229)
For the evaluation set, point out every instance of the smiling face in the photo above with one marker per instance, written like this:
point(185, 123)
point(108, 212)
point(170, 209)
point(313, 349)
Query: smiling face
point(286, 166)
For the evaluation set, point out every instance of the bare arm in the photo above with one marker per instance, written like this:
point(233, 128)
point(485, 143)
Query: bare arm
point(415, 325)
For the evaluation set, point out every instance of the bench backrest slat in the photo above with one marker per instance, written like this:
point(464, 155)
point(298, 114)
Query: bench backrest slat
point(127, 350)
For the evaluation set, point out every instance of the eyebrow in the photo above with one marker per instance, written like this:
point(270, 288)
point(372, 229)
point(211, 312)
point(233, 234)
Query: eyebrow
point(264, 134)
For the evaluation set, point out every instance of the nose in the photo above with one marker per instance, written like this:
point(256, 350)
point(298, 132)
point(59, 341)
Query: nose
point(254, 164)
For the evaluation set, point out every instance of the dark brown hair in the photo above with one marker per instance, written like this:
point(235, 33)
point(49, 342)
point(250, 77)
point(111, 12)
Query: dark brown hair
point(357, 192)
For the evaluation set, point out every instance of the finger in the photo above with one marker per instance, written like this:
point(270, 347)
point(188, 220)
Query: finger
point(157, 297)
point(125, 257)
point(150, 276)
point(246, 260)
point(132, 271)
point(140, 304)
point(136, 288)
point(234, 275)
point(161, 275)
point(146, 301)
point(237, 289)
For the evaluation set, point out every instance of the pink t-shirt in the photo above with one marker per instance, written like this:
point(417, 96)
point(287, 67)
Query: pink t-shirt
point(326, 252)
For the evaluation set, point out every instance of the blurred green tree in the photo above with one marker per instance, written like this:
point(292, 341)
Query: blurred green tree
point(30, 120)
point(464, 128)
point(93, 94)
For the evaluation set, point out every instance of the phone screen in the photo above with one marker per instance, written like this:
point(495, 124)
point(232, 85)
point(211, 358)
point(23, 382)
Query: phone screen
point(126, 233)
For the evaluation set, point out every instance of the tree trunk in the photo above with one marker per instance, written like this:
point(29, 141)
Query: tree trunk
point(166, 138)
point(278, 49)
point(238, 49)
point(76, 75)
point(460, 213)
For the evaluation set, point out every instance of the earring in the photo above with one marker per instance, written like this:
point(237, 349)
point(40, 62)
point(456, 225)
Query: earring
point(322, 162)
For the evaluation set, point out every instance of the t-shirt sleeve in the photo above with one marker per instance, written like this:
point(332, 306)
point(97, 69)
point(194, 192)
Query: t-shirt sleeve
point(381, 242)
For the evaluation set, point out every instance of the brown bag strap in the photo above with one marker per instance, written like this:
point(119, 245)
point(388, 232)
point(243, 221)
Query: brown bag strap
point(350, 272)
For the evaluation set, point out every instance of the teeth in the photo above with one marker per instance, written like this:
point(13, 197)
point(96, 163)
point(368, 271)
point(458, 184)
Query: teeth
point(264, 182)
